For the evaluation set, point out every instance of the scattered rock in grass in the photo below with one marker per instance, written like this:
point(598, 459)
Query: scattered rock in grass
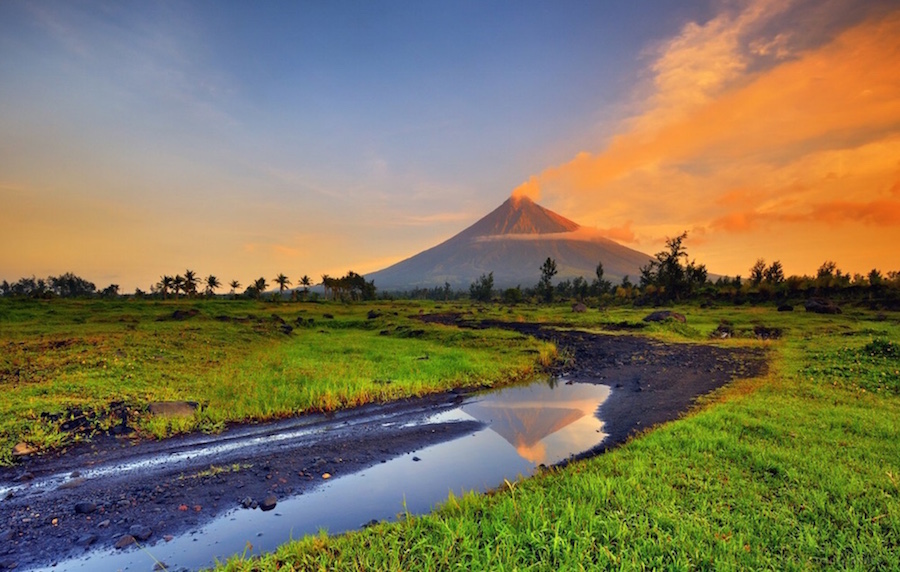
point(665, 315)
point(373, 314)
point(86, 540)
point(822, 306)
point(184, 314)
point(125, 540)
point(22, 449)
point(140, 532)
point(764, 333)
point(579, 308)
point(173, 408)
point(286, 329)
point(85, 508)
point(278, 319)
point(327, 316)
point(724, 331)
point(371, 523)
point(785, 308)
point(268, 503)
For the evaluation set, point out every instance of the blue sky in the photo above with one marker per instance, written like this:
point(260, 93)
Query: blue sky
point(246, 139)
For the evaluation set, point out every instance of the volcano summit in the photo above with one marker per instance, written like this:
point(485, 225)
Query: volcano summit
point(512, 242)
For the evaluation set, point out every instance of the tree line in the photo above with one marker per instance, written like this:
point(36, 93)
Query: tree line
point(350, 287)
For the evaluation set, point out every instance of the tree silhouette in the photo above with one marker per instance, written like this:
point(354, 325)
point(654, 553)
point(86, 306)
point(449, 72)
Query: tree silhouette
point(190, 283)
point(283, 282)
point(234, 285)
point(165, 284)
point(211, 284)
point(260, 286)
point(306, 283)
point(757, 272)
point(545, 286)
point(178, 284)
point(482, 289)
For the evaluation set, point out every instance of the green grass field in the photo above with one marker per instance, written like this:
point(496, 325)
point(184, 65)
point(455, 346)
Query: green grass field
point(799, 470)
point(231, 357)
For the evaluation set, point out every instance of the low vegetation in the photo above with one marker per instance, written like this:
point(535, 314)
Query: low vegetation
point(796, 470)
point(71, 367)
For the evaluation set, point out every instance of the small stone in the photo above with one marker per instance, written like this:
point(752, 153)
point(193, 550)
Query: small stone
point(85, 508)
point(24, 477)
point(140, 532)
point(416, 459)
point(22, 449)
point(168, 538)
point(326, 475)
point(103, 524)
point(268, 503)
point(246, 502)
point(54, 522)
point(160, 566)
point(124, 541)
point(75, 474)
point(86, 540)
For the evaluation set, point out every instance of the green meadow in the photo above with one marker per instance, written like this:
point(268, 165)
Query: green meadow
point(797, 470)
point(66, 358)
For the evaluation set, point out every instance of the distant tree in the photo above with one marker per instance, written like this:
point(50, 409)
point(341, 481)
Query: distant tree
point(757, 272)
point(165, 284)
point(259, 286)
point(482, 289)
point(5, 288)
point(306, 283)
point(111, 291)
point(178, 285)
point(545, 285)
point(69, 285)
point(328, 285)
point(513, 296)
point(190, 283)
point(283, 282)
point(774, 273)
point(212, 283)
point(234, 285)
point(600, 285)
point(668, 277)
point(875, 277)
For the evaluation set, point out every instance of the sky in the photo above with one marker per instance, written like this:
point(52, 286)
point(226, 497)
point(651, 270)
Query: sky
point(242, 139)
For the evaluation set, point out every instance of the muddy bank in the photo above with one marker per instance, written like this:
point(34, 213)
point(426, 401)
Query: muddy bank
point(102, 493)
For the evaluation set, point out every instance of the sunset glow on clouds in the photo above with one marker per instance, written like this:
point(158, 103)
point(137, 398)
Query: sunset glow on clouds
point(799, 160)
point(309, 139)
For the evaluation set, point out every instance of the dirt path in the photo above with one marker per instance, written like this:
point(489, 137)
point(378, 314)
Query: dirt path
point(98, 494)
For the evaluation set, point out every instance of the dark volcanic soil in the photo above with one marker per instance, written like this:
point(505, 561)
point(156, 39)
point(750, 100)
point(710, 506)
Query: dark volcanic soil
point(96, 494)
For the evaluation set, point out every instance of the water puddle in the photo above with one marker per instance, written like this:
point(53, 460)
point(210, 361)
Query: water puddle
point(524, 427)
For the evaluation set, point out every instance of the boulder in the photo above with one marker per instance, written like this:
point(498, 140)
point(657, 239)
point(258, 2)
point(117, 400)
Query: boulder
point(665, 315)
point(785, 308)
point(579, 308)
point(85, 508)
point(140, 532)
point(126, 540)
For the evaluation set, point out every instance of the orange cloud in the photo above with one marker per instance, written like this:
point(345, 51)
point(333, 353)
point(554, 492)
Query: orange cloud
point(735, 144)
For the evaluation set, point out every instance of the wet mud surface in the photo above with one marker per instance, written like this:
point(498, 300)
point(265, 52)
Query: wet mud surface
point(105, 492)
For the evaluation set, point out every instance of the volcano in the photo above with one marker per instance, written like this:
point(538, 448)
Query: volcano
point(513, 241)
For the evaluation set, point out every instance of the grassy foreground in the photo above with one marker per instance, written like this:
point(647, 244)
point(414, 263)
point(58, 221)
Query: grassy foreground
point(799, 470)
point(61, 360)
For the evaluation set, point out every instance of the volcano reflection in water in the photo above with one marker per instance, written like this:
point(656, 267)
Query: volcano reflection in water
point(544, 423)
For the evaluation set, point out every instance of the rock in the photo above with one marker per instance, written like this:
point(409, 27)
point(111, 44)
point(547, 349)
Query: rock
point(174, 408)
point(326, 475)
point(86, 540)
point(724, 331)
point(22, 449)
point(416, 459)
point(277, 319)
point(85, 508)
point(372, 315)
point(371, 523)
point(328, 316)
point(785, 308)
point(184, 314)
point(247, 502)
point(268, 503)
point(286, 329)
point(579, 308)
point(822, 306)
point(8, 564)
point(160, 566)
point(24, 477)
point(664, 315)
point(140, 532)
point(126, 540)
point(764, 333)
point(103, 524)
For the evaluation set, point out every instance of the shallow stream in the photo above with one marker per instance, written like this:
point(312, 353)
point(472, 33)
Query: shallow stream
point(522, 428)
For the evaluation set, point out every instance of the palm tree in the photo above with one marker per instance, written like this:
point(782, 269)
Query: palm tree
point(282, 282)
point(327, 282)
point(178, 284)
point(165, 283)
point(306, 283)
point(260, 286)
point(234, 285)
point(190, 282)
point(211, 284)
